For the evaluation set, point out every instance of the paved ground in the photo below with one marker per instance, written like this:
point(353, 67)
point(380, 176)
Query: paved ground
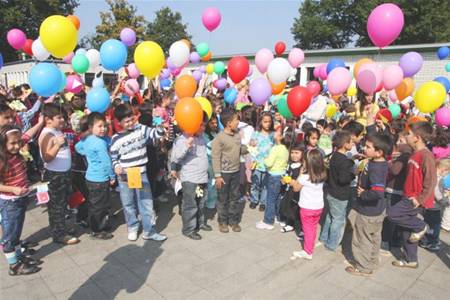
point(248, 265)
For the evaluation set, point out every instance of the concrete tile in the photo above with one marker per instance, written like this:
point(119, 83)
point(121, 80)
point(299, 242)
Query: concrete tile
point(376, 290)
point(436, 277)
point(31, 289)
point(177, 287)
point(201, 295)
point(65, 280)
point(422, 290)
point(88, 290)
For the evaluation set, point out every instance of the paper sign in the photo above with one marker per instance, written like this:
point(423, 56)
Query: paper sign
point(134, 178)
point(42, 198)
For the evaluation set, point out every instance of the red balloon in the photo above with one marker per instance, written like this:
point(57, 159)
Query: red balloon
point(313, 87)
point(238, 68)
point(298, 100)
point(279, 48)
point(27, 47)
point(379, 87)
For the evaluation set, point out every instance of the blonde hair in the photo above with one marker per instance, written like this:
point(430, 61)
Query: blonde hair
point(244, 83)
point(443, 164)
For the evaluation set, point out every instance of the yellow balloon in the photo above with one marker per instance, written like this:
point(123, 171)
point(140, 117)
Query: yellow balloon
point(206, 105)
point(210, 68)
point(430, 96)
point(149, 58)
point(58, 35)
point(331, 110)
point(351, 91)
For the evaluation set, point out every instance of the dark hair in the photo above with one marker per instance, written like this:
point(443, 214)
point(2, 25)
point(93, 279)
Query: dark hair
point(322, 122)
point(3, 151)
point(226, 116)
point(249, 115)
point(424, 130)
point(314, 166)
point(310, 132)
point(306, 126)
point(16, 91)
point(208, 130)
point(52, 110)
point(78, 103)
point(442, 137)
point(4, 108)
point(298, 147)
point(146, 108)
point(355, 128)
point(331, 125)
point(381, 142)
point(361, 96)
point(263, 115)
point(341, 138)
point(123, 111)
point(95, 117)
point(84, 124)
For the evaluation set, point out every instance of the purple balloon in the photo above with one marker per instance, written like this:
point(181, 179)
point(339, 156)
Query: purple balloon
point(203, 69)
point(220, 83)
point(128, 36)
point(260, 91)
point(197, 75)
point(411, 63)
point(164, 74)
point(170, 65)
point(194, 57)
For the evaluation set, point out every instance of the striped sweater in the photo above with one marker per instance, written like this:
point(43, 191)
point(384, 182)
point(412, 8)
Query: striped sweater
point(128, 148)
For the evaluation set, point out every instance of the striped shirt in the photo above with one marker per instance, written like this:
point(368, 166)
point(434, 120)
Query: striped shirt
point(16, 175)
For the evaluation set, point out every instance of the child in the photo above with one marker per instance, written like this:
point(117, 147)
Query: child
point(99, 175)
point(340, 176)
point(312, 137)
point(418, 193)
point(370, 206)
point(211, 130)
point(441, 143)
point(325, 141)
point(55, 153)
point(13, 201)
point(276, 164)
point(310, 185)
point(226, 150)
point(128, 151)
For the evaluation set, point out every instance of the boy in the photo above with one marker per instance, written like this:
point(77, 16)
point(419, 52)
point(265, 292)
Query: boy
point(340, 176)
point(226, 150)
point(370, 206)
point(418, 193)
point(99, 175)
point(57, 159)
point(128, 151)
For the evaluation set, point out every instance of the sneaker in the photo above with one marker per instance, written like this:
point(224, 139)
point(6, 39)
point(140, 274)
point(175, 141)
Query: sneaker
point(253, 205)
point(405, 264)
point(31, 261)
point(430, 246)
point(223, 228)
point(262, 225)
point(67, 240)
point(416, 236)
point(155, 237)
point(22, 268)
point(301, 236)
point(132, 236)
point(385, 252)
point(262, 207)
point(101, 235)
point(286, 228)
point(194, 236)
point(205, 227)
point(301, 254)
point(355, 271)
point(236, 228)
point(281, 223)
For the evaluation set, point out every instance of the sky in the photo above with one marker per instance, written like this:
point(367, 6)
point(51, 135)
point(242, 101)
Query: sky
point(246, 26)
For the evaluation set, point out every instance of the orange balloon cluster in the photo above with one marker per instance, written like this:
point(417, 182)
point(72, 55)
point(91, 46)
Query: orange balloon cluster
point(278, 88)
point(405, 88)
point(74, 20)
point(185, 86)
point(207, 57)
point(189, 115)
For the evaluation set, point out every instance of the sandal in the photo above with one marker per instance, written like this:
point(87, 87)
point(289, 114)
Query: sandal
point(355, 271)
point(22, 268)
point(405, 264)
point(287, 228)
point(67, 240)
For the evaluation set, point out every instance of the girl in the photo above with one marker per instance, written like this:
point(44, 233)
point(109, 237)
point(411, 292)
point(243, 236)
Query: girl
point(13, 201)
point(312, 138)
point(211, 131)
point(440, 144)
point(310, 185)
point(161, 109)
point(365, 105)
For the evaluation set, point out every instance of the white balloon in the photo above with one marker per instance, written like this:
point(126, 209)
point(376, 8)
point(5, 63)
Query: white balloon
point(98, 81)
point(39, 50)
point(293, 71)
point(94, 58)
point(179, 53)
point(81, 51)
point(279, 70)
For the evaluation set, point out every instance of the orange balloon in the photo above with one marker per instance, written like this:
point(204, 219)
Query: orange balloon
point(74, 20)
point(278, 88)
point(189, 115)
point(359, 64)
point(207, 57)
point(413, 120)
point(405, 88)
point(336, 97)
point(186, 41)
point(185, 86)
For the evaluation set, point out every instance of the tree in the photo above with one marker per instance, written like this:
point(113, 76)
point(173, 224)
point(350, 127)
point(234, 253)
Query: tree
point(167, 28)
point(28, 15)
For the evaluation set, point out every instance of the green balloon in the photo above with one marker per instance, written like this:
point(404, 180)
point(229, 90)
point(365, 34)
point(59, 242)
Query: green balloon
point(447, 67)
point(202, 49)
point(283, 108)
point(80, 63)
point(63, 81)
point(395, 110)
point(219, 67)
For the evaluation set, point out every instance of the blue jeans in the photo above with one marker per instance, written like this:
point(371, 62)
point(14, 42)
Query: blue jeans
point(13, 216)
point(258, 190)
point(138, 201)
point(273, 199)
point(334, 226)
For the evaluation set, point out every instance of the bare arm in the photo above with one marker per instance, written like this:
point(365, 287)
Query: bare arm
point(50, 146)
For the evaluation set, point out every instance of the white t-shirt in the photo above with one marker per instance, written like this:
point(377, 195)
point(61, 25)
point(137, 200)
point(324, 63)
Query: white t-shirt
point(63, 159)
point(311, 195)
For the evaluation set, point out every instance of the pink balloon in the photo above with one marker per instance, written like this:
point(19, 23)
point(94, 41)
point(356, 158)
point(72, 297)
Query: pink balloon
point(175, 72)
point(262, 59)
point(323, 72)
point(220, 83)
point(296, 57)
point(211, 18)
point(313, 87)
point(385, 24)
point(16, 38)
point(74, 84)
point(133, 72)
point(392, 77)
point(68, 58)
point(339, 80)
point(393, 96)
point(442, 116)
point(131, 87)
point(170, 64)
point(316, 71)
point(369, 77)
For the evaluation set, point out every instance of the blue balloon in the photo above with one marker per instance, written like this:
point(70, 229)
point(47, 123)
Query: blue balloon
point(97, 100)
point(113, 54)
point(325, 88)
point(444, 81)
point(335, 63)
point(1, 61)
point(45, 79)
point(230, 95)
point(443, 52)
point(447, 182)
point(63, 82)
point(165, 83)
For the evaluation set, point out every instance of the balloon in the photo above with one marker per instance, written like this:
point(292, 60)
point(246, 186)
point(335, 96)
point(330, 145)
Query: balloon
point(260, 91)
point(149, 67)
point(202, 69)
point(392, 77)
point(97, 100)
point(279, 70)
point(316, 71)
point(296, 57)
point(80, 63)
point(207, 57)
point(393, 95)
point(331, 110)
point(131, 87)
point(63, 81)
point(170, 64)
point(334, 63)
point(98, 81)
point(39, 51)
point(1, 61)
point(384, 24)
point(411, 63)
point(133, 72)
point(298, 100)
point(165, 83)
point(442, 116)
point(278, 88)
point(164, 74)
point(351, 91)
point(219, 67)
point(280, 47)
point(238, 68)
point(405, 88)
point(230, 95)
point(444, 81)
point(369, 77)
point(339, 80)
point(447, 67)
point(206, 105)
point(68, 58)
point(58, 35)
point(395, 110)
point(220, 84)
point(323, 72)
point(359, 64)
point(194, 57)
point(27, 47)
point(179, 53)
point(113, 55)
point(430, 96)
point(314, 88)
point(128, 36)
point(283, 108)
point(45, 79)
point(176, 72)
point(74, 84)
point(81, 51)
point(185, 86)
point(16, 38)
point(197, 75)
point(262, 59)
point(202, 49)
point(211, 18)
point(75, 21)
point(443, 52)
point(209, 68)
point(189, 115)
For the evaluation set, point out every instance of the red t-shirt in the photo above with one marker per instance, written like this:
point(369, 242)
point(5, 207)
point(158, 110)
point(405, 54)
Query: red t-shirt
point(16, 174)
